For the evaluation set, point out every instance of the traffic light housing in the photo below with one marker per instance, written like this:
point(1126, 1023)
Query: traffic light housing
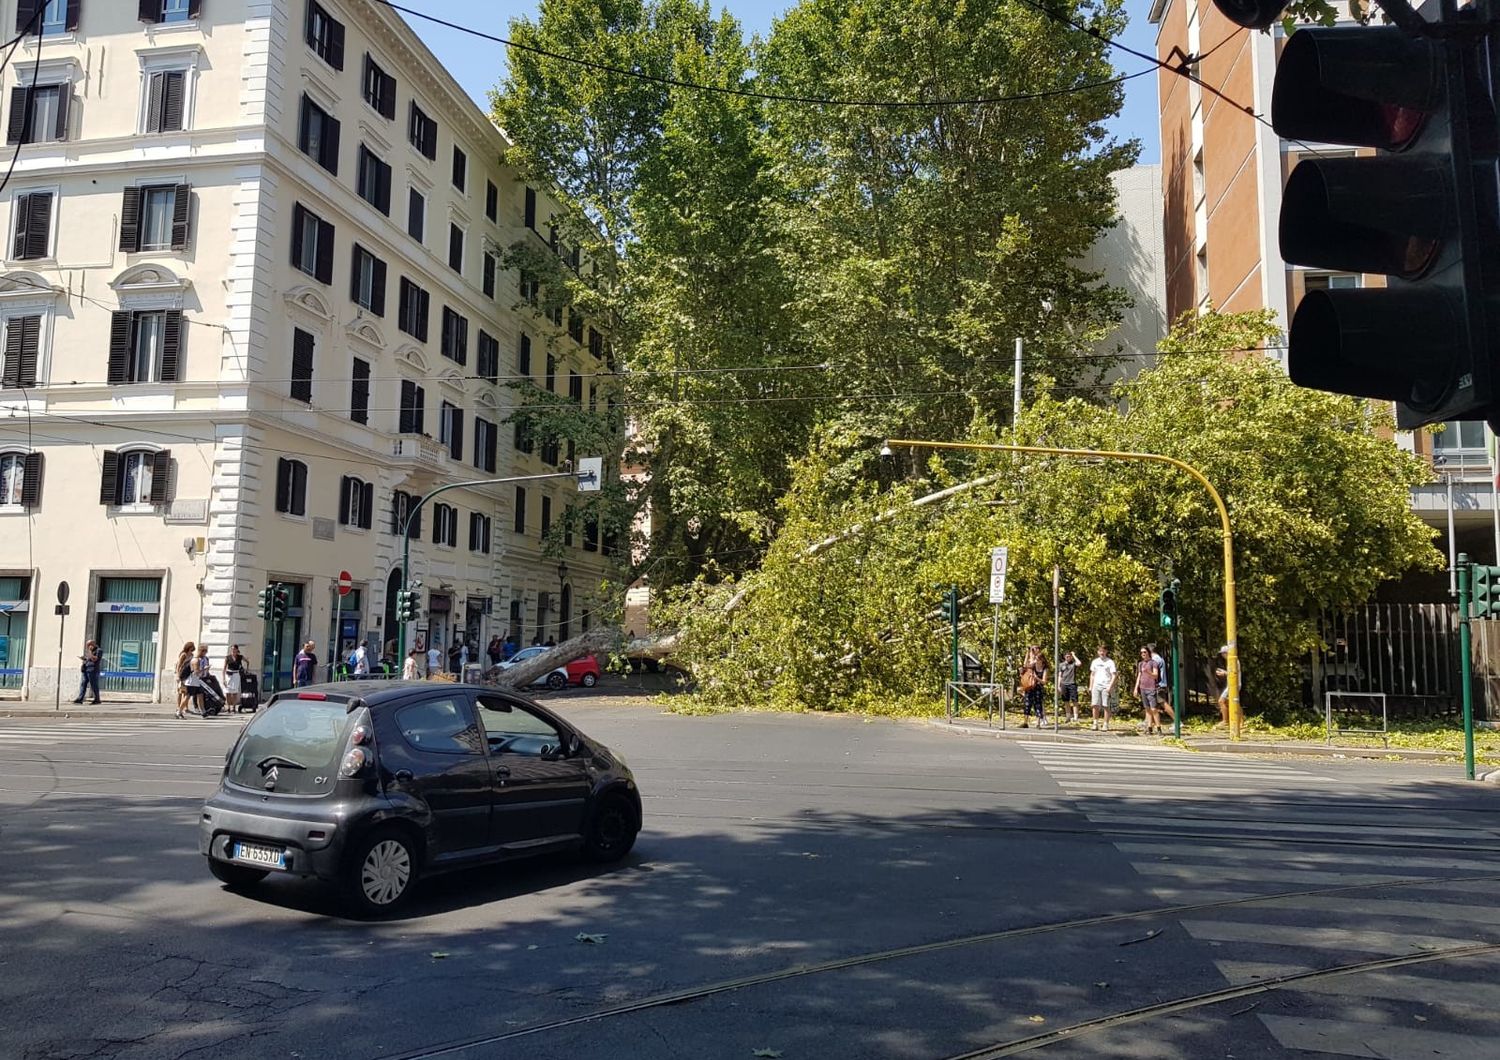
point(1166, 605)
point(263, 607)
point(1484, 596)
point(407, 609)
point(950, 605)
point(1422, 211)
point(280, 601)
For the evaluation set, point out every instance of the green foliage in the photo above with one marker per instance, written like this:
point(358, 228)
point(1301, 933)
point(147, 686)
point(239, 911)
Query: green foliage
point(1316, 493)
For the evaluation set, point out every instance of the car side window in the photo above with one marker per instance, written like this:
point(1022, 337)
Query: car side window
point(512, 729)
point(441, 725)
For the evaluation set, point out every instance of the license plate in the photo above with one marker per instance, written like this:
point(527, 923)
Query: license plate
point(259, 855)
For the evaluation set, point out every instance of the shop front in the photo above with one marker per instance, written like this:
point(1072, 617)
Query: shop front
point(127, 626)
point(15, 620)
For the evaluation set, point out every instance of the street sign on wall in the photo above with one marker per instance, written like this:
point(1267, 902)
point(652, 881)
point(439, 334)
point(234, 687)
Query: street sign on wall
point(999, 561)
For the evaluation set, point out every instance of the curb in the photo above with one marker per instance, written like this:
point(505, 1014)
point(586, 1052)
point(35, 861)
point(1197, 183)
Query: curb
point(1218, 746)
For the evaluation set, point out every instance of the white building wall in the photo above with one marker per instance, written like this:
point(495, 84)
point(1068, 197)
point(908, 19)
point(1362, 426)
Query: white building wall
point(1130, 256)
point(231, 417)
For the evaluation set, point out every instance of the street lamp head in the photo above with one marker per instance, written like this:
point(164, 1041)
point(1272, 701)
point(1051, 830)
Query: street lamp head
point(562, 572)
point(886, 452)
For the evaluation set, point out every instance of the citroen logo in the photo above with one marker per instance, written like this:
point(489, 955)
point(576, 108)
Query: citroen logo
point(271, 778)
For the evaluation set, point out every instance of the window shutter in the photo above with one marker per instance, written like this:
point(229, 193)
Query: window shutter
point(13, 343)
point(171, 346)
point(109, 479)
point(64, 98)
point(473, 531)
point(283, 485)
point(325, 251)
point(489, 449)
point(23, 227)
point(356, 253)
point(489, 276)
point(367, 506)
point(344, 500)
point(437, 524)
point(403, 304)
point(150, 10)
point(161, 476)
point(416, 523)
point(181, 205)
point(20, 103)
point(299, 488)
point(424, 304)
point(130, 222)
point(383, 188)
point(335, 44)
point(25, 15)
point(38, 224)
point(153, 102)
point(447, 339)
point(408, 400)
point(31, 329)
point(119, 345)
point(419, 413)
point(388, 96)
point(457, 444)
point(304, 124)
point(299, 217)
point(171, 107)
point(377, 294)
point(31, 482)
point(359, 392)
point(531, 208)
point(396, 526)
point(328, 151)
point(302, 365)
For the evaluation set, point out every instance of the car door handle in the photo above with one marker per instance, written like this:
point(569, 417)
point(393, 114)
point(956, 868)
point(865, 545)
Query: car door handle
point(502, 771)
point(403, 774)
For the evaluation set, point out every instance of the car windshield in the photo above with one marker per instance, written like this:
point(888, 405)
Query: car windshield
point(291, 748)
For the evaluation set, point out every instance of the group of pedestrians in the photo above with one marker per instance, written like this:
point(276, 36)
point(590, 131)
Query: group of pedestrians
point(1149, 685)
point(196, 683)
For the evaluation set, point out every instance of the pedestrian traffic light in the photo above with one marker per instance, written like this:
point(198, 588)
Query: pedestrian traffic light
point(1484, 597)
point(280, 601)
point(1420, 209)
point(263, 607)
point(950, 605)
point(1166, 605)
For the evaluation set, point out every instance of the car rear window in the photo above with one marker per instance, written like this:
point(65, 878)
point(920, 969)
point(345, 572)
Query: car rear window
point(300, 740)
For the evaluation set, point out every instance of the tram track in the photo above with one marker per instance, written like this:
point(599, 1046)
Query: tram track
point(689, 995)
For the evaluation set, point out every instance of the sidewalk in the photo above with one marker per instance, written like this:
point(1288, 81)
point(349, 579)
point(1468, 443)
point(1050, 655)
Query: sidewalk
point(36, 708)
point(1127, 735)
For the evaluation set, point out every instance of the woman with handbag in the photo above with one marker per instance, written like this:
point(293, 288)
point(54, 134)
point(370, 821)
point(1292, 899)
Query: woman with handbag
point(1033, 683)
point(184, 675)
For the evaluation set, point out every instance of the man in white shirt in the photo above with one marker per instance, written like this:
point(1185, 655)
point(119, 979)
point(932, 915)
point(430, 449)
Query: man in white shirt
point(434, 659)
point(1102, 678)
point(362, 659)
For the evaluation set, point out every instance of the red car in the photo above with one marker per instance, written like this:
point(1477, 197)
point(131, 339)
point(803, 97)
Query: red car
point(584, 671)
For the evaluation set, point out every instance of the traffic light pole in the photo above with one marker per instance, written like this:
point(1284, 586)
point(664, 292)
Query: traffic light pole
point(1232, 662)
point(416, 510)
point(1465, 666)
point(1177, 701)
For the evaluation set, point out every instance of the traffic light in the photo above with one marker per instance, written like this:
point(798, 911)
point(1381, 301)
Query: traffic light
point(1166, 605)
point(1484, 597)
point(950, 605)
point(263, 608)
point(1421, 210)
point(280, 601)
point(407, 609)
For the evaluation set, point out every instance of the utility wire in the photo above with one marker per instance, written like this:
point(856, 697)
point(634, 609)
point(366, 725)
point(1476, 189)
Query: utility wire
point(749, 93)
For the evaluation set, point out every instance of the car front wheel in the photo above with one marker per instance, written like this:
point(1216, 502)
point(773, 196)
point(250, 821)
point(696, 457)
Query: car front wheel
point(612, 830)
point(381, 872)
point(235, 877)
point(590, 680)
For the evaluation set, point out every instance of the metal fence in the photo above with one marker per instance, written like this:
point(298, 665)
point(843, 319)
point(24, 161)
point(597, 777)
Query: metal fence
point(1409, 652)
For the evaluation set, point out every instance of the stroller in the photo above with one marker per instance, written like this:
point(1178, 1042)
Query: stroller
point(211, 695)
point(249, 692)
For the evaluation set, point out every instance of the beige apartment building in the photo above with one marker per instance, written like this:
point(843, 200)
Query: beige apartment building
point(253, 305)
point(1222, 175)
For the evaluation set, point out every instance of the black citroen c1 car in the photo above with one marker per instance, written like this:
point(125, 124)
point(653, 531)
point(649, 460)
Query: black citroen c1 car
point(372, 784)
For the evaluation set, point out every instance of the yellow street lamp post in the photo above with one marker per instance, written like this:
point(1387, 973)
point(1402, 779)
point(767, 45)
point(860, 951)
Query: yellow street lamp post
point(1232, 665)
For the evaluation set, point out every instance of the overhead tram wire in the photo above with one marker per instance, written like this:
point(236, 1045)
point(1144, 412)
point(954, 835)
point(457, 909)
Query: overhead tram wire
point(750, 93)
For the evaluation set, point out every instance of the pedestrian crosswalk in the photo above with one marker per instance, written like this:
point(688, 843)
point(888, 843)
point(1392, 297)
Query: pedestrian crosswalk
point(43, 733)
point(1414, 876)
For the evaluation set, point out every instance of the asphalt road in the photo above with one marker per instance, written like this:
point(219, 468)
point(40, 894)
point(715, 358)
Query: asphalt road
point(806, 887)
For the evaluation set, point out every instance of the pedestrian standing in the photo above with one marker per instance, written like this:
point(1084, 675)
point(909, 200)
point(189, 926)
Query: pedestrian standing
point(234, 665)
point(184, 671)
point(1034, 685)
point(1163, 686)
point(88, 670)
point(362, 659)
point(453, 654)
point(305, 666)
point(1067, 683)
point(1146, 674)
point(494, 650)
point(201, 670)
point(511, 646)
point(409, 667)
point(463, 657)
point(1102, 678)
point(1222, 673)
point(434, 659)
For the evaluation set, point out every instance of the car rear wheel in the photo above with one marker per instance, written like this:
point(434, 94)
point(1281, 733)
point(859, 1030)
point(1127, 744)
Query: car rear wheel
point(381, 872)
point(556, 681)
point(235, 877)
point(612, 830)
point(590, 680)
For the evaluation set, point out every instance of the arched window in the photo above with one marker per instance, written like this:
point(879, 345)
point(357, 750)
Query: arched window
point(20, 480)
point(356, 503)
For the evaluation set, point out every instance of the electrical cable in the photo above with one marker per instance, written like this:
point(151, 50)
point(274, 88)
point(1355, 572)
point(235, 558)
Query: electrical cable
point(36, 72)
point(748, 93)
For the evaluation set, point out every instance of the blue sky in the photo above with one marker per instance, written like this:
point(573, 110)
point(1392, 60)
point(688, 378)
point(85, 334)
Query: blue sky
point(477, 64)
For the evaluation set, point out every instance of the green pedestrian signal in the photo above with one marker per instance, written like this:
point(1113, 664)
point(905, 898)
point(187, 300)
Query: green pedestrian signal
point(1166, 605)
point(1485, 598)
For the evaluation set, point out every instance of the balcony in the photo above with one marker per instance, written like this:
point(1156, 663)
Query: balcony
point(418, 452)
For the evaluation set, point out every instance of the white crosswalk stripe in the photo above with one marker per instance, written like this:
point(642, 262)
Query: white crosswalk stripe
point(1200, 827)
point(43, 733)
